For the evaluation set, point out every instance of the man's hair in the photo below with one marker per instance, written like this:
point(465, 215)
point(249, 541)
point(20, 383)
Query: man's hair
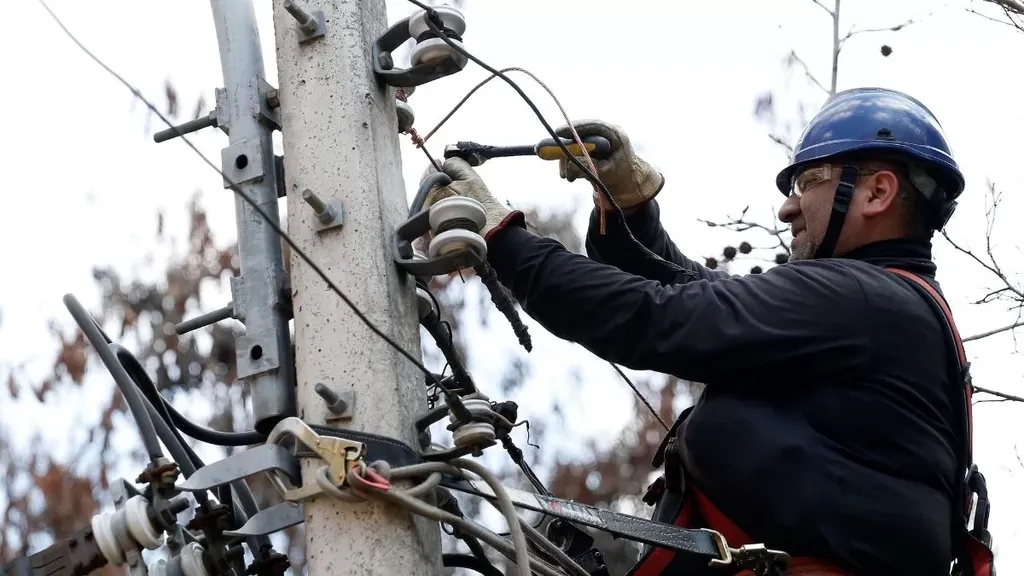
point(914, 207)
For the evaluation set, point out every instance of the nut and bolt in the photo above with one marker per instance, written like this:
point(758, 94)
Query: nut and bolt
point(336, 404)
point(324, 213)
point(307, 23)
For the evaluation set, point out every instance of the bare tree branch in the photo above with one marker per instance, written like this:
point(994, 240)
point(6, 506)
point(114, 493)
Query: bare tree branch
point(823, 7)
point(741, 224)
point(778, 140)
point(1009, 6)
point(1009, 291)
point(1002, 395)
point(794, 58)
point(895, 28)
point(1012, 9)
point(999, 330)
point(836, 47)
point(1012, 23)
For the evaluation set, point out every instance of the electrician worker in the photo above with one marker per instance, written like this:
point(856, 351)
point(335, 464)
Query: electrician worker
point(831, 426)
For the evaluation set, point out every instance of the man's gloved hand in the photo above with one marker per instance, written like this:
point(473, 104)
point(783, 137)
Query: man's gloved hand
point(466, 182)
point(629, 178)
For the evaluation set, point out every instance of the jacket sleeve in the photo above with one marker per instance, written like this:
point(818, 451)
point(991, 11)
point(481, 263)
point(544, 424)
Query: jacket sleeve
point(804, 317)
point(617, 249)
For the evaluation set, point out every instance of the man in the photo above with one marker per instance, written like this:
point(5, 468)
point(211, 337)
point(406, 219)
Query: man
point(831, 426)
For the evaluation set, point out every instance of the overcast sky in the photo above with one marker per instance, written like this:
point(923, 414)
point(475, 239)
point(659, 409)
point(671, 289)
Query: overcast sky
point(681, 77)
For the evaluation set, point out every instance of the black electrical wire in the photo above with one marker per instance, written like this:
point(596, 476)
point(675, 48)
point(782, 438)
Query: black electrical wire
point(192, 429)
point(470, 563)
point(640, 396)
point(432, 21)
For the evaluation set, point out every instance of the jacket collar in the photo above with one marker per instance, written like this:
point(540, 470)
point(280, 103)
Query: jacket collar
point(911, 254)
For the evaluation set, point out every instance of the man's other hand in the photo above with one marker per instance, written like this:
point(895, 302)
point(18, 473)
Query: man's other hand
point(466, 182)
point(629, 178)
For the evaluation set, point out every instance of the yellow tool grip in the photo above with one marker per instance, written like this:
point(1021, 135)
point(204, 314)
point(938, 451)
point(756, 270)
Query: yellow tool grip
point(596, 146)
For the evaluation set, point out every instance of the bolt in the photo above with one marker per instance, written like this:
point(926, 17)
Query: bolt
point(335, 403)
point(306, 22)
point(273, 98)
point(323, 212)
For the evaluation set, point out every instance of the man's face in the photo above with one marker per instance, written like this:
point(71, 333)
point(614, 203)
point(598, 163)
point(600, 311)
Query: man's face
point(808, 208)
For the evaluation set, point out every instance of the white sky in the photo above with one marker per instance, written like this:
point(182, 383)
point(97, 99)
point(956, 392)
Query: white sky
point(681, 77)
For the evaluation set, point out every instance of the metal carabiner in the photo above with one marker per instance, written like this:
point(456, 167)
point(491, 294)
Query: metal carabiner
point(340, 454)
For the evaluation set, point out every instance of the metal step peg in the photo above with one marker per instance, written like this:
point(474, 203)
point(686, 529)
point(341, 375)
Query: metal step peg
point(204, 320)
point(210, 120)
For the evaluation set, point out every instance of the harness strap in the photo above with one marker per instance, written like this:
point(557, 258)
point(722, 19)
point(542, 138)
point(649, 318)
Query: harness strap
point(972, 553)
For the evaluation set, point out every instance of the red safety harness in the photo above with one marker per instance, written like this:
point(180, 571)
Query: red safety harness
point(679, 503)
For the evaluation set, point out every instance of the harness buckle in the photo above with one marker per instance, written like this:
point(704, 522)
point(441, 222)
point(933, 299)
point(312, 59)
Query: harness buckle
point(754, 557)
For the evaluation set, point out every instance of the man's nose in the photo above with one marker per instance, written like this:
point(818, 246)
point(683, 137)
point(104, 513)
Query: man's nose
point(790, 209)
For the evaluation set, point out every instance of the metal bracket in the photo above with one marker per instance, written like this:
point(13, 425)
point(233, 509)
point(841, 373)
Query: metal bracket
point(259, 103)
point(238, 298)
point(270, 520)
point(221, 102)
point(263, 458)
point(242, 162)
point(384, 65)
point(256, 353)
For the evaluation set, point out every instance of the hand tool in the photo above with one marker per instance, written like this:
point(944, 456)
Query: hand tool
point(476, 154)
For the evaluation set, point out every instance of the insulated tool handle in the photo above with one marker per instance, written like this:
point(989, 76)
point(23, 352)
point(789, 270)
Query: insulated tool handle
point(598, 147)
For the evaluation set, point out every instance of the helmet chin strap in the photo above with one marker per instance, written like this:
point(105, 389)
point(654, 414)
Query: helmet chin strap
point(844, 193)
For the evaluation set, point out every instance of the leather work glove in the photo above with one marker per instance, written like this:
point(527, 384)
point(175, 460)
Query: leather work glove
point(466, 182)
point(629, 178)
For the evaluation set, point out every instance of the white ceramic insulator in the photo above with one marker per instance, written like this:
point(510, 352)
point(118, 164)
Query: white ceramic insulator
point(103, 532)
point(192, 560)
point(474, 432)
point(406, 117)
point(458, 239)
point(432, 50)
point(157, 567)
point(451, 17)
point(457, 207)
point(140, 525)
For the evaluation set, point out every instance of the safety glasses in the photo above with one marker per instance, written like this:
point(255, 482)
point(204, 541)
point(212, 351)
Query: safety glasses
point(812, 177)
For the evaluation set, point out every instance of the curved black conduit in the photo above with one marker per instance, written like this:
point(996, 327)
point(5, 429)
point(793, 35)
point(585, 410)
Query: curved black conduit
point(428, 184)
point(136, 403)
point(190, 428)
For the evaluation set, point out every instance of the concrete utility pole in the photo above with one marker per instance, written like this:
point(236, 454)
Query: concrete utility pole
point(341, 146)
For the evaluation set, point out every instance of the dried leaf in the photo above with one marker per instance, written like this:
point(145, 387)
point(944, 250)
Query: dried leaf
point(172, 99)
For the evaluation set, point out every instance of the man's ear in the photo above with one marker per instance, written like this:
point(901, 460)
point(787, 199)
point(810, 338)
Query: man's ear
point(881, 191)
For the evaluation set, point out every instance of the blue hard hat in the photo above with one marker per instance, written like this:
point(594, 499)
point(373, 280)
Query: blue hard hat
point(878, 120)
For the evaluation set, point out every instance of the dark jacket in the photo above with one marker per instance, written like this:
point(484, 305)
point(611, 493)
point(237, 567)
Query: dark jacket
point(828, 426)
